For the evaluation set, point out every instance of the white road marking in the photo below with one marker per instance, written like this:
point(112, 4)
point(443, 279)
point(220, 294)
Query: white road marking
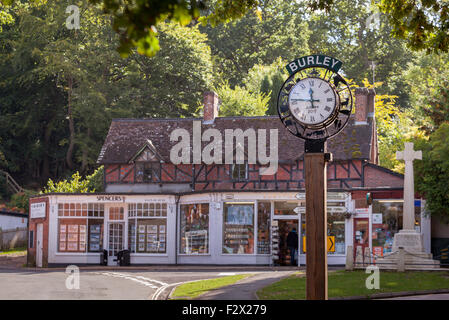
point(154, 284)
point(227, 274)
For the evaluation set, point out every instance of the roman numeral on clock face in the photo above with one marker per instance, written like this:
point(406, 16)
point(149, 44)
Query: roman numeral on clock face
point(311, 83)
point(312, 118)
point(327, 108)
point(330, 99)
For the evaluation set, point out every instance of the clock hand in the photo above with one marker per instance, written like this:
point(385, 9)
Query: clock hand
point(305, 100)
point(311, 97)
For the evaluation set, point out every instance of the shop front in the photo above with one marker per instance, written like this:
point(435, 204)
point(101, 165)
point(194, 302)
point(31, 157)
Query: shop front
point(200, 228)
point(375, 226)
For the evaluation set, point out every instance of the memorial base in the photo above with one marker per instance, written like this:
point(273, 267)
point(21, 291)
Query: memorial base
point(408, 254)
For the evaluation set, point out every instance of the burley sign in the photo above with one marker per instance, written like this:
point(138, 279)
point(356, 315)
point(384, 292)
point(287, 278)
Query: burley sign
point(314, 61)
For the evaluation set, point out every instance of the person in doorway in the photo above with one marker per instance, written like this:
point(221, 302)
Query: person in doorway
point(292, 243)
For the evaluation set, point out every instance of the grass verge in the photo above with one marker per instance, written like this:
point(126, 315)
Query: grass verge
point(352, 283)
point(194, 289)
point(14, 251)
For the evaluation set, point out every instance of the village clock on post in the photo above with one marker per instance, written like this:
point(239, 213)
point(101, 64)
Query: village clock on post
point(315, 104)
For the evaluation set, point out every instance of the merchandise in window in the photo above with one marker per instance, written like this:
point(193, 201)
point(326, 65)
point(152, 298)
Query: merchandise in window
point(285, 208)
point(263, 227)
point(95, 235)
point(195, 228)
point(72, 235)
point(386, 222)
point(336, 228)
point(238, 228)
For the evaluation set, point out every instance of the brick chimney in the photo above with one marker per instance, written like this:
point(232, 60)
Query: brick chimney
point(364, 115)
point(210, 112)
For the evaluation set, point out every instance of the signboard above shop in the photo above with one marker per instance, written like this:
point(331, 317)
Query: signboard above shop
point(112, 198)
point(37, 210)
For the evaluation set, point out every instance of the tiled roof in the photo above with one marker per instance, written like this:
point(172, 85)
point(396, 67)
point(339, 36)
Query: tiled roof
point(127, 136)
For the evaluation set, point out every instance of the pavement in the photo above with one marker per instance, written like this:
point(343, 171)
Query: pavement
point(246, 288)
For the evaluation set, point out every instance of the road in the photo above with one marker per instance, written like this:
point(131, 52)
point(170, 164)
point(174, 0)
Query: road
point(50, 284)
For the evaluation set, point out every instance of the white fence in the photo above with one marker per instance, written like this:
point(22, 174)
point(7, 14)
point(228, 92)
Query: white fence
point(10, 239)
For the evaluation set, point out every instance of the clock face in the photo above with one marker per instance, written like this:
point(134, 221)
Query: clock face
point(312, 101)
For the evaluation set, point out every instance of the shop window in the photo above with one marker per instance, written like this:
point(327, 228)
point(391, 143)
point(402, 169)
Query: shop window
point(336, 229)
point(238, 228)
point(116, 213)
point(95, 236)
point(132, 235)
point(80, 210)
point(195, 228)
point(386, 222)
point(263, 227)
point(240, 171)
point(147, 209)
point(72, 235)
point(284, 208)
point(151, 236)
point(336, 224)
point(31, 239)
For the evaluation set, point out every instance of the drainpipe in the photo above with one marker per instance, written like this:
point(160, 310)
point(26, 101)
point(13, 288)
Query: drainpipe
point(177, 197)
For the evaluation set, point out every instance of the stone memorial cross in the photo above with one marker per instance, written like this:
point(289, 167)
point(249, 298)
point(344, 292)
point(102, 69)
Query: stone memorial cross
point(408, 155)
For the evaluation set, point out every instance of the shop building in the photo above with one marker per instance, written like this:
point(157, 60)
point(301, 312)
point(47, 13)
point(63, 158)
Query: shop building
point(199, 213)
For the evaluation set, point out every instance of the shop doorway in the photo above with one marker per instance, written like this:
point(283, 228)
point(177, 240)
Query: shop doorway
point(39, 244)
point(285, 226)
point(115, 242)
point(361, 234)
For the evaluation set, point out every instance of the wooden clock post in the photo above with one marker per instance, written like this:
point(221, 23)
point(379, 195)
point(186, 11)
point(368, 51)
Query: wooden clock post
point(315, 104)
point(315, 161)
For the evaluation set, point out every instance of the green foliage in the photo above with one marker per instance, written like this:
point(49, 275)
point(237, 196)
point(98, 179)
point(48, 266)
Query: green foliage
point(277, 30)
point(432, 172)
point(74, 185)
point(267, 80)
point(424, 24)
point(428, 84)
point(20, 200)
point(92, 183)
point(96, 180)
point(240, 102)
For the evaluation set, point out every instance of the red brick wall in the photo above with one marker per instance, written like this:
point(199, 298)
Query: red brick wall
point(32, 226)
point(375, 178)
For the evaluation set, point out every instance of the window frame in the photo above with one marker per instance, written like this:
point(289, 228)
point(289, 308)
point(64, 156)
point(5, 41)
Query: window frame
point(245, 171)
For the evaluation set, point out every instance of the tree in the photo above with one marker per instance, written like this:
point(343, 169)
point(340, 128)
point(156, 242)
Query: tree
point(431, 173)
point(240, 102)
point(424, 24)
point(276, 31)
point(267, 80)
point(171, 83)
point(359, 36)
point(427, 80)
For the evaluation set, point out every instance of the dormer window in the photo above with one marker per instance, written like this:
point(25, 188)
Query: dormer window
point(147, 171)
point(239, 172)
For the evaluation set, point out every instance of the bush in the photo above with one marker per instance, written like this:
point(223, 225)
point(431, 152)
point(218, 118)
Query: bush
point(20, 201)
point(92, 183)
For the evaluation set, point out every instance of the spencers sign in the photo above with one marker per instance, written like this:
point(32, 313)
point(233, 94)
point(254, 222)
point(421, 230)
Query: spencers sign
point(110, 199)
